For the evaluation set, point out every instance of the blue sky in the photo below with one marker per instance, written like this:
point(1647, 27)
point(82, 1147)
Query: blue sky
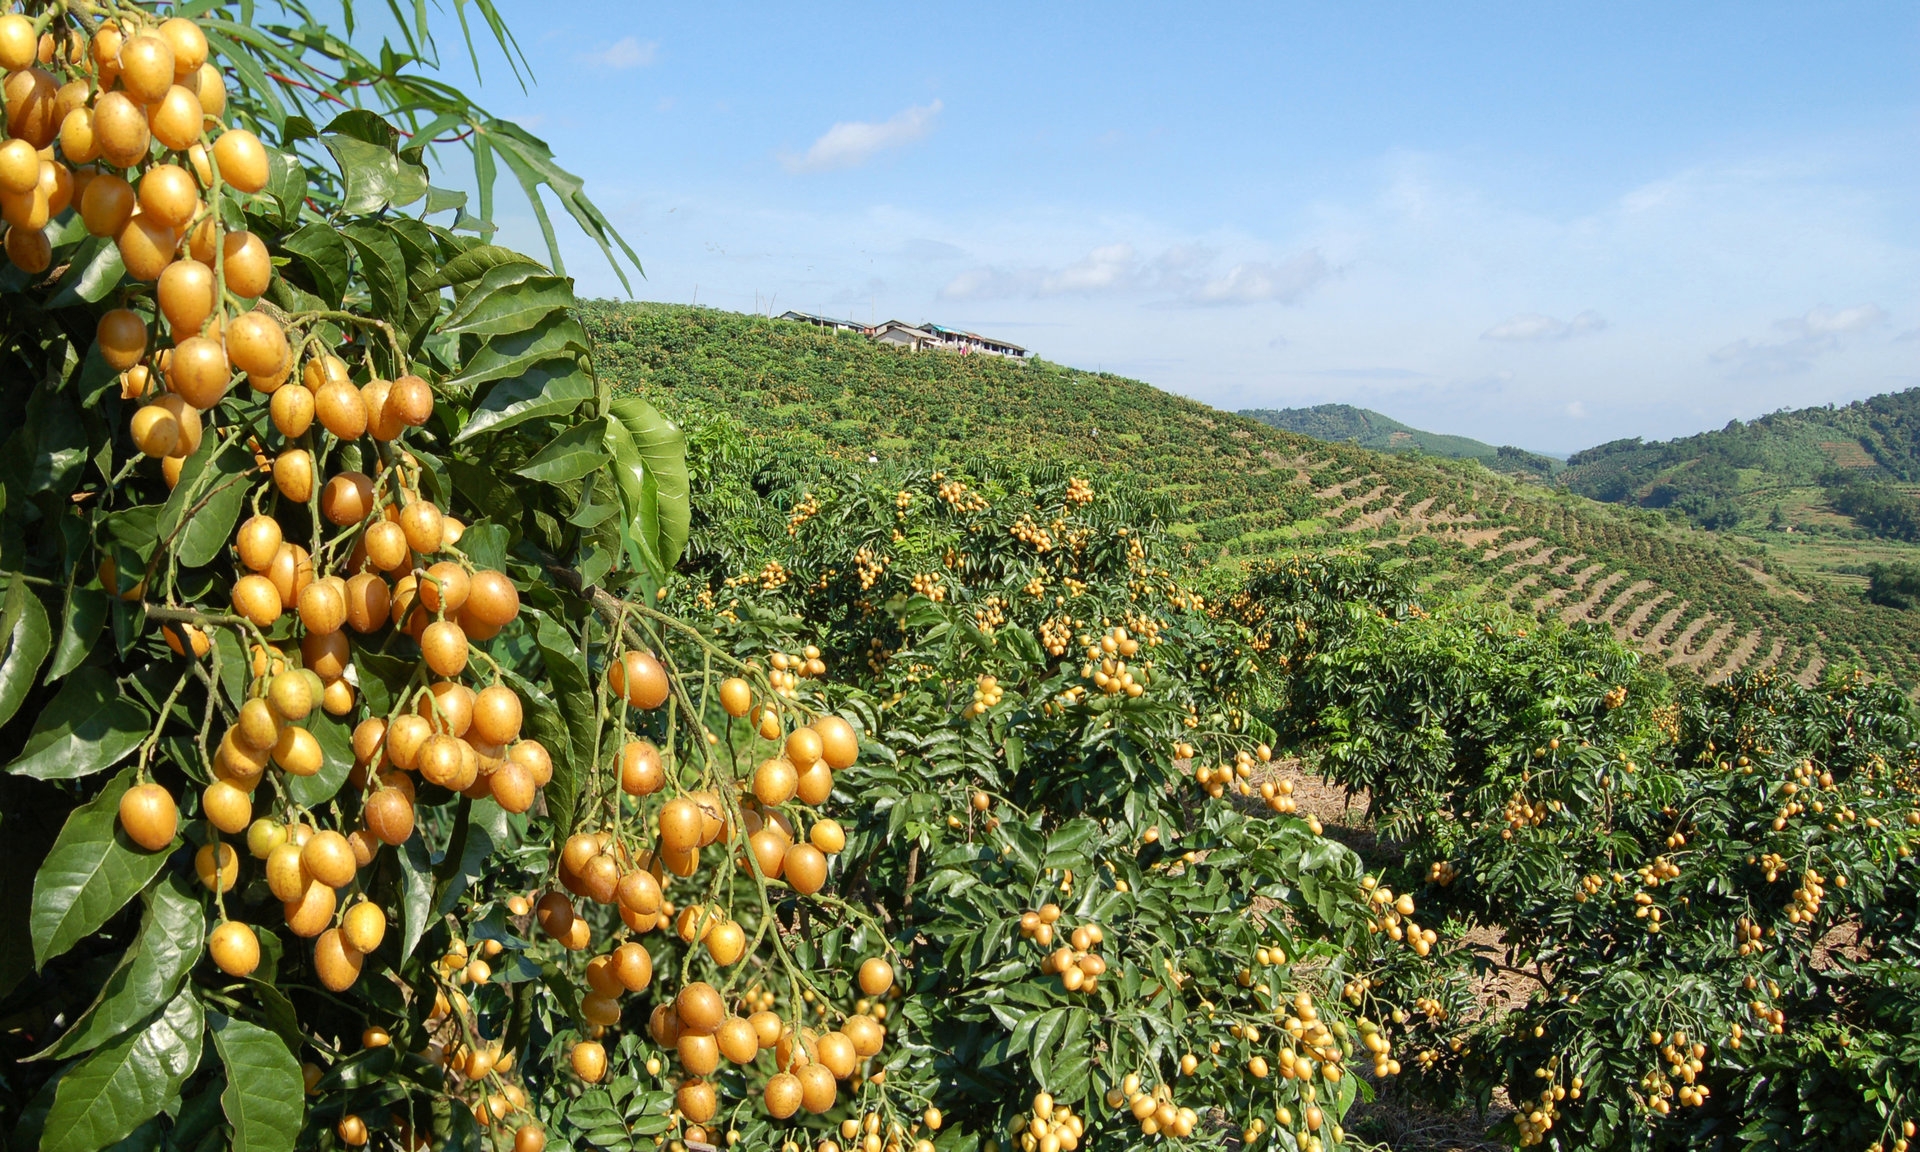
point(1548, 225)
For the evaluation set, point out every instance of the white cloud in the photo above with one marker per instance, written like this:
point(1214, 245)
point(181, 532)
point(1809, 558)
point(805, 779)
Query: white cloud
point(1258, 280)
point(1577, 410)
point(1808, 337)
point(1825, 321)
point(628, 52)
point(1181, 274)
point(1532, 328)
point(851, 143)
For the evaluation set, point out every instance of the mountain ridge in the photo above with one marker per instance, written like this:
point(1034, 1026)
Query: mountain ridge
point(1371, 429)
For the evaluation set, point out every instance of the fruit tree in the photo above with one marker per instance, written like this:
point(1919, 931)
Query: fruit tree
point(378, 773)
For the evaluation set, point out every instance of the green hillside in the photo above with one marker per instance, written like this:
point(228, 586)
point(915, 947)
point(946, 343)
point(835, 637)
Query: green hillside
point(1829, 490)
point(1240, 490)
point(1370, 429)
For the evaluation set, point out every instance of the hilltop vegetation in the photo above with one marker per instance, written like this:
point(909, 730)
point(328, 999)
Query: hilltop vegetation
point(1371, 429)
point(1735, 476)
point(1235, 490)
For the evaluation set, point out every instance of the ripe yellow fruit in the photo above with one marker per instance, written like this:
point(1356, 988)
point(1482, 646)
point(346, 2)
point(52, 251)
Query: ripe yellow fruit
point(146, 246)
point(328, 857)
point(348, 499)
point(641, 677)
point(876, 976)
point(828, 836)
point(149, 816)
point(167, 195)
point(18, 43)
point(146, 67)
point(782, 1095)
point(242, 159)
point(199, 371)
point(839, 744)
point(805, 869)
point(122, 337)
point(365, 925)
point(217, 865)
point(726, 943)
point(803, 746)
point(642, 772)
point(589, 1061)
point(336, 961)
point(33, 106)
point(312, 911)
point(256, 343)
point(293, 472)
point(246, 265)
point(235, 948)
point(227, 807)
point(176, 119)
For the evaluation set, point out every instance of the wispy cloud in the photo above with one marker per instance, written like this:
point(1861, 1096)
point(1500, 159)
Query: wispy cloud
point(1807, 338)
point(1257, 280)
point(852, 143)
point(1182, 274)
point(1533, 328)
point(628, 52)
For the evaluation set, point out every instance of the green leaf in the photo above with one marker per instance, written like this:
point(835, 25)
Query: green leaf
point(336, 747)
point(508, 355)
point(574, 699)
point(416, 892)
point(95, 270)
point(552, 389)
point(80, 624)
point(382, 266)
point(265, 1098)
point(172, 935)
point(650, 463)
point(509, 298)
point(24, 631)
point(205, 504)
point(574, 453)
point(374, 177)
point(89, 727)
point(477, 261)
point(322, 251)
point(90, 874)
point(121, 1085)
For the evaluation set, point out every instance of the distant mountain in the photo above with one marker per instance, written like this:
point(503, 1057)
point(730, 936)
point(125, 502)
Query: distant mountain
point(1370, 429)
point(1857, 455)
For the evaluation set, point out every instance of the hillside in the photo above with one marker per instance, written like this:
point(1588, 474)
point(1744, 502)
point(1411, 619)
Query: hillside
point(1370, 429)
point(1242, 490)
point(1736, 474)
point(1828, 490)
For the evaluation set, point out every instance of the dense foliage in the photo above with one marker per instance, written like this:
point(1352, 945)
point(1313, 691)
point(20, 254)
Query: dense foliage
point(1710, 896)
point(1724, 478)
point(1881, 509)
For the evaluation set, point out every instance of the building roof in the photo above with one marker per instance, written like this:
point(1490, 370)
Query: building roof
point(815, 318)
point(976, 338)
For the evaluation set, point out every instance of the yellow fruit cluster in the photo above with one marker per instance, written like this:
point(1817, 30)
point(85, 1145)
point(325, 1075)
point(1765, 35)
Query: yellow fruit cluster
point(986, 695)
point(1106, 664)
point(1077, 965)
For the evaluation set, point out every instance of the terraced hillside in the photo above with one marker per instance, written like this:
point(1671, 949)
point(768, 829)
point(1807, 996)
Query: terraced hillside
point(1241, 490)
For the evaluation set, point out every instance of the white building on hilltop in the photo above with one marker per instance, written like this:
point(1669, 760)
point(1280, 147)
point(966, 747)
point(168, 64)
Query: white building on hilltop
point(917, 337)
